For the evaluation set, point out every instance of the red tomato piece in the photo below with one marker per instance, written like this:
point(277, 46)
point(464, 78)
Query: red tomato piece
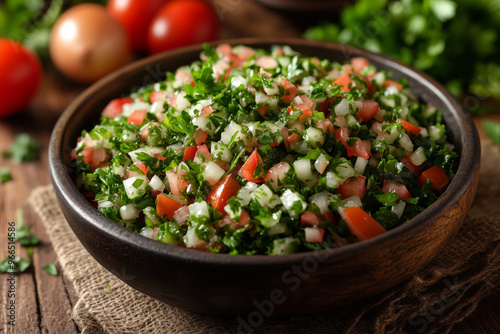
point(361, 224)
point(142, 167)
point(262, 110)
point(409, 127)
point(391, 186)
point(309, 218)
point(137, 117)
point(389, 82)
point(276, 173)
point(359, 63)
point(166, 206)
point(244, 218)
point(368, 110)
point(343, 81)
point(157, 95)
point(361, 148)
point(438, 177)
point(200, 136)
point(189, 153)
point(342, 134)
point(290, 90)
point(353, 186)
point(203, 150)
point(87, 155)
point(222, 191)
point(417, 170)
point(325, 125)
point(115, 107)
point(253, 169)
point(176, 182)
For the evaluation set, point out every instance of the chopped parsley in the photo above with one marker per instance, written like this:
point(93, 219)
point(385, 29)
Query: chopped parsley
point(24, 149)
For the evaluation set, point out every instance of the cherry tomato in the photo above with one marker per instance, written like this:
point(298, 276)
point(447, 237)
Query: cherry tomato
point(21, 75)
point(135, 17)
point(180, 23)
point(87, 43)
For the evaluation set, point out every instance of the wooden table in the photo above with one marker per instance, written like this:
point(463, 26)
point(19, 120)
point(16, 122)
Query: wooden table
point(44, 302)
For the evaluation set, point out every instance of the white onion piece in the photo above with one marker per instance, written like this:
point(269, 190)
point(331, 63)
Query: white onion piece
point(129, 212)
point(398, 209)
point(406, 142)
point(359, 166)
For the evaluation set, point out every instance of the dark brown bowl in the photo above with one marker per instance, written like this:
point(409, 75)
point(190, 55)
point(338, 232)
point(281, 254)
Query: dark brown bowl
point(289, 284)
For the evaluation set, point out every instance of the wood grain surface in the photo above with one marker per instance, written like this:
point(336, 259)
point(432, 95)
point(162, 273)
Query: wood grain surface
point(44, 302)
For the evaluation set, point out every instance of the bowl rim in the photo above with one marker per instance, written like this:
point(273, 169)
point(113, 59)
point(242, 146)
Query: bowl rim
point(464, 178)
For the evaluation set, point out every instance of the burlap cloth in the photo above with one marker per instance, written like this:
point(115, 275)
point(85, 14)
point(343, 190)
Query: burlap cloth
point(433, 301)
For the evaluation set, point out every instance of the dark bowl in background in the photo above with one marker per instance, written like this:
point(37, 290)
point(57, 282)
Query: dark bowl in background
point(293, 284)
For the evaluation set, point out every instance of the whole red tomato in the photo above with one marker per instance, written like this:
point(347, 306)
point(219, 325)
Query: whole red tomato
point(135, 17)
point(21, 74)
point(180, 23)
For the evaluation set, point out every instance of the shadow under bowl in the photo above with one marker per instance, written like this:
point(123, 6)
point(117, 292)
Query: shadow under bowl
point(296, 284)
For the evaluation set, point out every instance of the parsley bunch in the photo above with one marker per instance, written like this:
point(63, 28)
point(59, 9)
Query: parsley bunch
point(453, 41)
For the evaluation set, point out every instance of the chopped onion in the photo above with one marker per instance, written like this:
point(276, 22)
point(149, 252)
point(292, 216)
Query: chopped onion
point(418, 157)
point(147, 232)
point(321, 163)
point(398, 209)
point(406, 142)
point(321, 201)
point(129, 212)
point(342, 108)
point(359, 166)
point(212, 173)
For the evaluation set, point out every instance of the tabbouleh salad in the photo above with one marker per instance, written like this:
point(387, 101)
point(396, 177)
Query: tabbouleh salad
point(265, 152)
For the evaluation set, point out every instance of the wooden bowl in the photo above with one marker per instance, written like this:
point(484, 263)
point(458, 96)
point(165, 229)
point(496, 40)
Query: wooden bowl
point(276, 285)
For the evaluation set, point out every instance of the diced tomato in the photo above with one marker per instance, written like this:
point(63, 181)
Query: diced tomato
point(342, 134)
point(183, 76)
point(253, 169)
point(330, 217)
point(145, 134)
point(307, 101)
point(73, 155)
point(290, 90)
point(306, 113)
point(157, 95)
point(115, 107)
point(343, 81)
point(309, 218)
point(369, 85)
point(222, 191)
point(203, 150)
point(87, 155)
point(244, 218)
point(155, 232)
point(368, 110)
point(325, 125)
point(200, 136)
point(98, 156)
point(142, 167)
point(206, 111)
point(166, 206)
point(409, 127)
point(176, 182)
point(189, 153)
point(438, 177)
point(137, 117)
point(389, 82)
point(293, 138)
point(353, 186)
point(417, 170)
point(359, 63)
point(391, 186)
point(314, 234)
point(222, 164)
point(361, 224)
point(276, 173)
point(262, 110)
point(361, 148)
point(224, 49)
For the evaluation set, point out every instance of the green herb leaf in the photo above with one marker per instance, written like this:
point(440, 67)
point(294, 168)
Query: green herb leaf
point(18, 265)
point(5, 175)
point(51, 269)
point(24, 149)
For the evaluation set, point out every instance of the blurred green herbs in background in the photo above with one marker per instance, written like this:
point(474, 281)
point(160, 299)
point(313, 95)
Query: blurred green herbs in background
point(456, 42)
point(30, 21)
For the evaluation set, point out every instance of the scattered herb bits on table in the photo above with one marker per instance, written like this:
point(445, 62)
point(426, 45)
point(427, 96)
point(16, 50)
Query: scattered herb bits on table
point(256, 152)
